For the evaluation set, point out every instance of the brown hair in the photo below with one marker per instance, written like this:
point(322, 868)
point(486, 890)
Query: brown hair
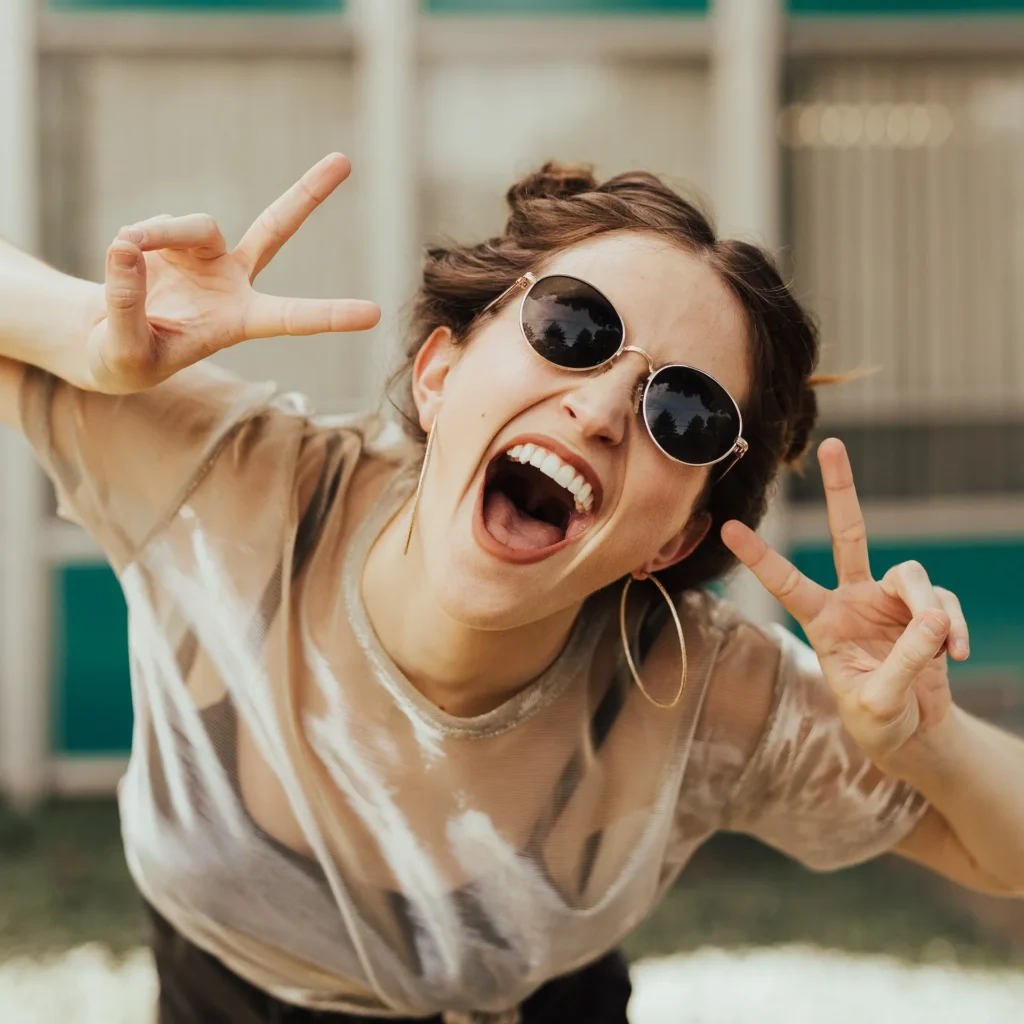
point(560, 206)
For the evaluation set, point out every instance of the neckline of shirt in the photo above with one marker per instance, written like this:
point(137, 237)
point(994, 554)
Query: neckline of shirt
point(571, 662)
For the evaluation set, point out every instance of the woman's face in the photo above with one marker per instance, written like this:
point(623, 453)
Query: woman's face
point(490, 562)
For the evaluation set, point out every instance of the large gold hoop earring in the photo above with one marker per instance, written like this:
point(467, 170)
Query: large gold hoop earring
point(629, 654)
point(419, 485)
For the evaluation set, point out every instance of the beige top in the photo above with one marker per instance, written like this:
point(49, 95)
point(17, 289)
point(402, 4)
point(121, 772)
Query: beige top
point(296, 807)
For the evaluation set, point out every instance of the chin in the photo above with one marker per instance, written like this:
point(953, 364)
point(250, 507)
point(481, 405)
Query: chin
point(479, 596)
point(500, 556)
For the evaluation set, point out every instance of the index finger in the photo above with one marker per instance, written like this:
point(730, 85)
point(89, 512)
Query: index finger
point(279, 221)
point(800, 596)
point(845, 520)
point(270, 316)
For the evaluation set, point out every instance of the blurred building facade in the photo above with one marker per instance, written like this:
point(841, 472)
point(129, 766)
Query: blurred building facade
point(878, 147)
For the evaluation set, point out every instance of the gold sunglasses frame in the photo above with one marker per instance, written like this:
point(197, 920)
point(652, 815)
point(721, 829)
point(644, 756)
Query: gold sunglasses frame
point(740, 446)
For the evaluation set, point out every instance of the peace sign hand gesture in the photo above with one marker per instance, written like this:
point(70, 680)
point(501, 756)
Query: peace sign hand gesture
point(175, 294)
point(881, 644)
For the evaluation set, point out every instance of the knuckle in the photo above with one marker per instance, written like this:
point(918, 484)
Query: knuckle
point(288, 315)
point(854, 533)
point(130, 233)
point(790, 583)
point(908, 657)
point(121, 298)
point(308, 191)
point(129, 361)
point(271, 224)
point(872, 705)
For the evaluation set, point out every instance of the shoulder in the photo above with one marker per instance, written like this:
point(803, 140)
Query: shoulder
point(379, 436)
point(345, 465)
point(747, 668)
point(352, 455)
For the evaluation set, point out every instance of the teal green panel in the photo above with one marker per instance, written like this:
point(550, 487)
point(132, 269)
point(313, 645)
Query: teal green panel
point(92, 695)
point(905, 7)
point(243, 6)
point(566, 6)
point(985, 576)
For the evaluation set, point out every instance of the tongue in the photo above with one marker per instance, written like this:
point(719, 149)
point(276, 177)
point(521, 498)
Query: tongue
point(510, 526)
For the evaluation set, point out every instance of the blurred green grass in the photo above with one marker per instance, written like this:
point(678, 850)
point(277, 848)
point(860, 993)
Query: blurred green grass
point(64, 882)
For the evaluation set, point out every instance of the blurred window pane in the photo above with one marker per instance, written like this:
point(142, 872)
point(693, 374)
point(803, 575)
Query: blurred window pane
point(485, 125)
point(905, 193)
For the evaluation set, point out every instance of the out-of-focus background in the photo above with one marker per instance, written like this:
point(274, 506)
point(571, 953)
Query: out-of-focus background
point(876, 145)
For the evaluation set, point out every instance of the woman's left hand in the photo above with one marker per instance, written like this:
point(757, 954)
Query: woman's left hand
point(882, 644)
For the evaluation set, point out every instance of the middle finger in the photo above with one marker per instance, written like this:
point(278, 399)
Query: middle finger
point(909, 582)
point(196, 231)
point(845, 521)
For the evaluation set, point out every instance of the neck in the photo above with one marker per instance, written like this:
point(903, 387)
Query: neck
point(462, 670)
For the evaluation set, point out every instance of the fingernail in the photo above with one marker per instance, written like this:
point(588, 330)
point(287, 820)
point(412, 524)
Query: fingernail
point(933, 626)
point(132, 234)
point(961, 648)
point(124, 260)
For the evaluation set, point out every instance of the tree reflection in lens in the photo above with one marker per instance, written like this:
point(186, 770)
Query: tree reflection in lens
point(570, 323)
point(690, 415)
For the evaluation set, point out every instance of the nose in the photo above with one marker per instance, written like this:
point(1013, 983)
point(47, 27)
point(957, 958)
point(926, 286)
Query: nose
point(602, 404)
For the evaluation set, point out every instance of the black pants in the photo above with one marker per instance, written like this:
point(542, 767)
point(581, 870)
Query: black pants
point(196, 988)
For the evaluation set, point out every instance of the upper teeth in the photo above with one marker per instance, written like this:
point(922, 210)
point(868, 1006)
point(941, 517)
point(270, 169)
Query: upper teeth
point(561, 472)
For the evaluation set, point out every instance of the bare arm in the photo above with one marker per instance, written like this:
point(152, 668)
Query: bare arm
point(45, 317)
point(970, 771)
point(934, 845)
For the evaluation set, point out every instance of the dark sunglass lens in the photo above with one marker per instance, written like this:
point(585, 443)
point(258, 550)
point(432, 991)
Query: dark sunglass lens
point(570, 323)
point(690, 415)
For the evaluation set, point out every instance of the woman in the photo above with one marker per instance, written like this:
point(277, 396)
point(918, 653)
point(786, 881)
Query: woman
point(407, 743)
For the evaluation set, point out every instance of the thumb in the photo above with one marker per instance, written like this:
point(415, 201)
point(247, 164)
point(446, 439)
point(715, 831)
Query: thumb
point(126, 300)
point(925, 636)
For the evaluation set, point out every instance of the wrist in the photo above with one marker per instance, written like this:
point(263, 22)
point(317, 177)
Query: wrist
point(46, 318)
point(934, 759)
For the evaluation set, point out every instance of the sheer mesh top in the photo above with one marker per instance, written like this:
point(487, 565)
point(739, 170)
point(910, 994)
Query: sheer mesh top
point(428, 863)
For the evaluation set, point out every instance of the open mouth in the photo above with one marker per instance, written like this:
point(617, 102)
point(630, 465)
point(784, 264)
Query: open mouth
point(534, 502)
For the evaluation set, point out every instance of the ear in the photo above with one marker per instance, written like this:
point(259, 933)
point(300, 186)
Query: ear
point(682, 545)
point(429, 372)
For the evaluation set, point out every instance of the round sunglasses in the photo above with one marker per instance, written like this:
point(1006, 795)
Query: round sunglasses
point(689, 415)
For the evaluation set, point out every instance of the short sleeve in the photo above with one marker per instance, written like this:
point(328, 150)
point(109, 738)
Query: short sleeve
point(807, 789)
point(123, 464)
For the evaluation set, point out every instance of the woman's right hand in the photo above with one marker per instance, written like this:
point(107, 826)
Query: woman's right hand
point(175, 293)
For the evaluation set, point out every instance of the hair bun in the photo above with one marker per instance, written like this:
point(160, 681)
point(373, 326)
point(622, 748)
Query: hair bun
point(553, 181)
